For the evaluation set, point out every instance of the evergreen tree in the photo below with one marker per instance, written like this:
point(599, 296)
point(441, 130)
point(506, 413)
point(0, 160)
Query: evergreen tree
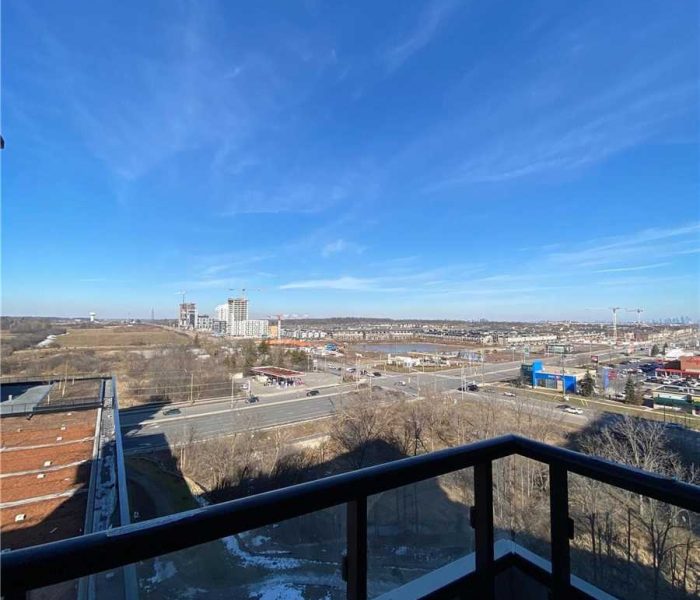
point(587, 385)
point(264, 348)
point(631, 393)
point(654, 350)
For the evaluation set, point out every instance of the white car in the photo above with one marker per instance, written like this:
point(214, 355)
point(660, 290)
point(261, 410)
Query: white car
point(572, 410)
point(509, 394)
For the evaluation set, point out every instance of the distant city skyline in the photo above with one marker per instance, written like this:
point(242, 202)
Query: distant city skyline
point(444, 159)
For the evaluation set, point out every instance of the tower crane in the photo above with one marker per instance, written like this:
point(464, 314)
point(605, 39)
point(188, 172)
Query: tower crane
point(614, 310)
point(244, 290)
point(639, 312)
point(279, 318)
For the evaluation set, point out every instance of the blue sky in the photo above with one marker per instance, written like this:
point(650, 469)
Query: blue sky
point(494, 159)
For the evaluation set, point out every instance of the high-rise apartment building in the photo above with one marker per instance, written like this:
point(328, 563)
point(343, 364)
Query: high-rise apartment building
point(221, 312)
point(237, 310)
point(188, 316)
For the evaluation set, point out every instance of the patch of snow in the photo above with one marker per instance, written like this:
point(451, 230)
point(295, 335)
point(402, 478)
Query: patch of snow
point(401, 551)
point(248, 559)
point(191, 592)
point(258, 540)
point(162, 570)
point(280, 591)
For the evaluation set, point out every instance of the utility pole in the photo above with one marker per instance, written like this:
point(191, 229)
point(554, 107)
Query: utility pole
point(192, 387)
point(563, 371)
point(231, 390)
point(483, 377)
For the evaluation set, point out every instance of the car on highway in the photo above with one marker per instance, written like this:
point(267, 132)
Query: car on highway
point(509, 394)
point(171, 411)
point(402, 382)
point(472, 387)
point(377, 374)
point(252, 400)
point(312, 393)
point(572, 410)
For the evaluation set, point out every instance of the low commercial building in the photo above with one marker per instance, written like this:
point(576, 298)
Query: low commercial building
point(677, 401)
point(403, 361)
point(279, 375)
point(690, 365)
point(565, 380)
point(516, 338)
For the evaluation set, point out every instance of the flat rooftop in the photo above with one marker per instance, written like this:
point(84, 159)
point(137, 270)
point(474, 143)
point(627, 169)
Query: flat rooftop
point(22, 397)
point(45, 462)
point(276, 372)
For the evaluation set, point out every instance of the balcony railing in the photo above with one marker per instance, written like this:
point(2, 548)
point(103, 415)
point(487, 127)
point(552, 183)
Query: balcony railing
point(39, 566)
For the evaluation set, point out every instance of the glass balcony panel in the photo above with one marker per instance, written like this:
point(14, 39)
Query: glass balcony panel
point(297, 558)
point(521, 503)
point(632, 546)
point(415, 529)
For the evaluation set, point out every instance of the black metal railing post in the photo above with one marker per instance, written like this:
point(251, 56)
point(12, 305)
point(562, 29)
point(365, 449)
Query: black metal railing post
point(561, 529)
point(357, 549)
point(483, 527)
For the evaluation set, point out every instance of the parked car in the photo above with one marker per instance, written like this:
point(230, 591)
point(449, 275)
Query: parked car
point(400, 382)
point(252, 400)
point(472, 387)
point(171, 411)
point(509, 394)
point(572, 410)
point(313, 393)
point(377, 374)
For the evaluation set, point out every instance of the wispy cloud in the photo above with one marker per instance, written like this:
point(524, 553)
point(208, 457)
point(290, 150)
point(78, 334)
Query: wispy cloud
point(429, 22)
point(338, 283)
point(340, 246)
point(295, 198)
point(634, 246)
point(635, 268)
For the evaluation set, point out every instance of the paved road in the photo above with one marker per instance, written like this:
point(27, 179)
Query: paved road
point(147, 428)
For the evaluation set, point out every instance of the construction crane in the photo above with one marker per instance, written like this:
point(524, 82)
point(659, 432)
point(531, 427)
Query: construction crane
point(639, 312)
point(279, 323)
point(244, 290)
point(182, 293)
point(614, 310)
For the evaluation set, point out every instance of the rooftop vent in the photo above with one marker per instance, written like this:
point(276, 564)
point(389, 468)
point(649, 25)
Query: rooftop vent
point(59, 438)
point(20, 517)
point(41, 475)
point(47, 463)
point(63, 427)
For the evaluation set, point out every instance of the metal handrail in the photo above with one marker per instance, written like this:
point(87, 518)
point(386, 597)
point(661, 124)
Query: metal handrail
point(28, 568)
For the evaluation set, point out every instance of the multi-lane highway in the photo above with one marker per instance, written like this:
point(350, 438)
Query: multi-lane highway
point(150, 427)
